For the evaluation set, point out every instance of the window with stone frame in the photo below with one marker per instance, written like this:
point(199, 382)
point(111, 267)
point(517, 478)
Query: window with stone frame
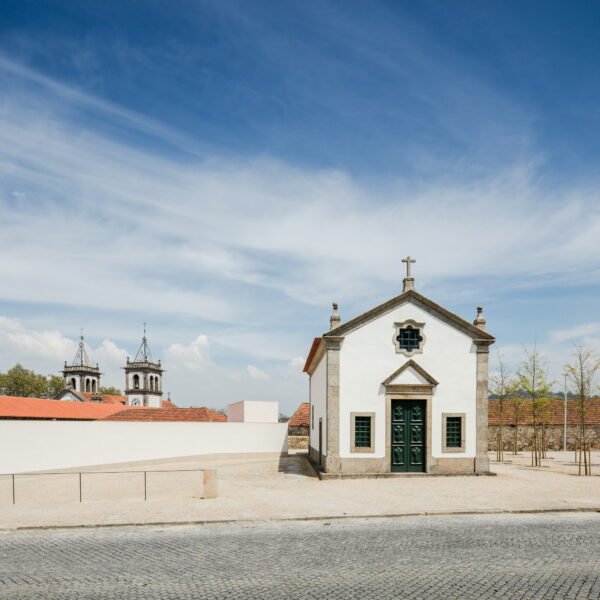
point(453, 432)
point(362, 434)
point(409, 337)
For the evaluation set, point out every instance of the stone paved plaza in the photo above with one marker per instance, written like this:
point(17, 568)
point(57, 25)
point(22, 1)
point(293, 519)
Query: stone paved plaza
point(508, 556)
point(262, 489)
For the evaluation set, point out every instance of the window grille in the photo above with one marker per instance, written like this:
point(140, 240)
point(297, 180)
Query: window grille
point(453, 432)
point(409, 338)
point(362, 432)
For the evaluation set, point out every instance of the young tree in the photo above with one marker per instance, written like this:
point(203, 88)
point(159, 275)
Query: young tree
point(518, 406)
point(581, 373)
point(502, 386)
point(533, 381)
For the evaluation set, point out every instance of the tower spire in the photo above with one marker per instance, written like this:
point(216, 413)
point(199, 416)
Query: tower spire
point(81, 375)
point(81, 358)
point(144, 354)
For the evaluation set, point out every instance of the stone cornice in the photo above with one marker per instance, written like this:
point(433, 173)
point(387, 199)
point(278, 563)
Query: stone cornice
point(419, 300)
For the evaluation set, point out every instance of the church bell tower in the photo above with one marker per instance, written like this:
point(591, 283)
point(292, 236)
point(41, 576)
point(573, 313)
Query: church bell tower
point(143, 378)
point(80, 375)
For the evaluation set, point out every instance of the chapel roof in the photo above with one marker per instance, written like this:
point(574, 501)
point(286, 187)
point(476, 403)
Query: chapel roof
point(411, 296)
point(311, 354)
point(301, 418)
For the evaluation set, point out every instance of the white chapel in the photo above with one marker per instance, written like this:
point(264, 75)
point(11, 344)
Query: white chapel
point(401, 388)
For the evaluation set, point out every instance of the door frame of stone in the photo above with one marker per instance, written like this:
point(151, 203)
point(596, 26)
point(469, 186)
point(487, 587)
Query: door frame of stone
point(422, 392)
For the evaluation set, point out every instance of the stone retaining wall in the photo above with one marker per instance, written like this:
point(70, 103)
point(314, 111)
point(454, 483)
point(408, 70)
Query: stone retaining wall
point(554, 436)
point(298, 442)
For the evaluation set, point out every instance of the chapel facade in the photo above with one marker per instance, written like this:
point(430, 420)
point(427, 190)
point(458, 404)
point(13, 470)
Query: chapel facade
point(402, 388)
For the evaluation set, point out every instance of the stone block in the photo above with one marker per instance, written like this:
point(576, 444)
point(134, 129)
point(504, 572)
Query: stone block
point(209, 483)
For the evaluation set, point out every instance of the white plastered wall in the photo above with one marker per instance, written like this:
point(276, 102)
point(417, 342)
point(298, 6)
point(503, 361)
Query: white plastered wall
point(70, 397)
point(43, 445)
point(368, 357)
point(253, 411)
point(318, 399)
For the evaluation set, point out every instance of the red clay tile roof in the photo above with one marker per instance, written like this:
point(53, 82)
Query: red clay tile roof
point(554, 412)
point(104, 398)
point(15, 407)
point(301, 418)
point(167, 404)
point(311, 353)
point(205, 415)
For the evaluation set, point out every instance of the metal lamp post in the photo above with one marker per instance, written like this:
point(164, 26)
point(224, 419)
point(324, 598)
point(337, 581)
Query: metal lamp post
point(565, 423)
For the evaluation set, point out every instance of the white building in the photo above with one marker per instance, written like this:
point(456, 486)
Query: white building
point(253, 411)
point(400, 388)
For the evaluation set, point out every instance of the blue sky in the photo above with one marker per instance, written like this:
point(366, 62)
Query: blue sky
point(224, 170)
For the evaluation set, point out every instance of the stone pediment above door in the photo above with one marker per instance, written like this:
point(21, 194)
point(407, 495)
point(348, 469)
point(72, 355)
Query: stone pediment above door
point(410, 374)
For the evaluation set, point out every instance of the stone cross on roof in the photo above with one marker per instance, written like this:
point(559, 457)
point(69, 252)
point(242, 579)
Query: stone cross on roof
point(408, 280)
point(408, 260)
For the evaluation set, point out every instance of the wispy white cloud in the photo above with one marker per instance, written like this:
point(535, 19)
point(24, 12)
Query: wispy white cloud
point(89, 219)
point(191, 357)
point(297, 363)
point(46, 344)
point(47, 350)
point(256, 373)
point(578, 333)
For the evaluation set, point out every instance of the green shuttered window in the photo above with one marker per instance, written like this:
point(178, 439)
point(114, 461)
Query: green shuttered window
point(453, 432)
point(362, 432)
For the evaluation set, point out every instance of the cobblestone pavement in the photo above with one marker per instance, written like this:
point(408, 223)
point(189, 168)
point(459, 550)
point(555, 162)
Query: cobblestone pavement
point(508, 556)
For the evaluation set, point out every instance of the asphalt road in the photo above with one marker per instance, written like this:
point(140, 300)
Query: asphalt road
point(534, 556)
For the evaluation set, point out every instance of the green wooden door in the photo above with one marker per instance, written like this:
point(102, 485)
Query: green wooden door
point(408, 435)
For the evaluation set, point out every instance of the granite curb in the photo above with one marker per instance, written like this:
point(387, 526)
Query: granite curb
point(457, 513)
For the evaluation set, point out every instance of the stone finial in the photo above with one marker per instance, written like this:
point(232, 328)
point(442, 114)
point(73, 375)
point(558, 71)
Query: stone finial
point(335, 319)
point(479, 319)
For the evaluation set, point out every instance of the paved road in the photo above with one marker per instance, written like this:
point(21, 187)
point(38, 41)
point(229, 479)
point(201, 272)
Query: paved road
point(544, 556)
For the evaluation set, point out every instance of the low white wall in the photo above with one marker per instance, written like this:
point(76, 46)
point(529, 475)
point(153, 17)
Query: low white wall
point(42, 445)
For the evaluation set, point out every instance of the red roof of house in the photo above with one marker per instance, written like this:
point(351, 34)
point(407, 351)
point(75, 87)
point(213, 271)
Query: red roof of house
point(104, 398)
point(301, 418)
point(15, 407)
point(205, 415)
point(311, 353)
point(167, 404)
point(553, 414)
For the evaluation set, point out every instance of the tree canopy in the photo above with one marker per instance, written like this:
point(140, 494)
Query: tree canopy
point(113, 391)
point(19, 381)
